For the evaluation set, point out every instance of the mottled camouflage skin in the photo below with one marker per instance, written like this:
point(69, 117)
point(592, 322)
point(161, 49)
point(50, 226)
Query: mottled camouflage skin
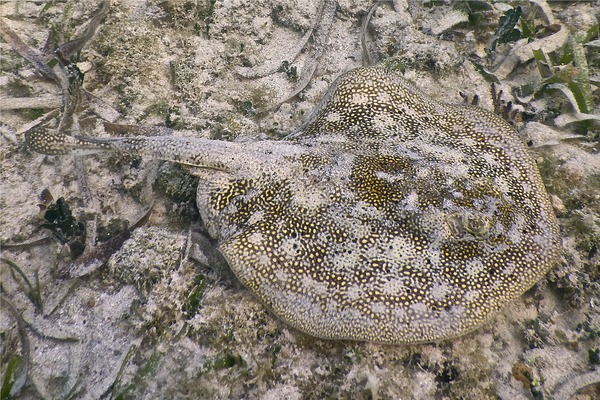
point(388, 217)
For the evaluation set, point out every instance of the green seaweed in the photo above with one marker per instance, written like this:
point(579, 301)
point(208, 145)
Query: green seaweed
point(193, 301)
point(65, 227)
point(12, 368)
point(291, 71)
point(580, 83)
point(176, 183)
point(478, 12)
point(567, 72)
point(173, 118)
point(594, 356)
point(506, 31)
point(34, 291)
point(488, 76)
point(120, 373)
point(536, 332)
point(34, 113)
point(395, 64)
point(226, 361)
point(247, 108)
point(140, 376)
point(447, 374)
point(590, 331)
point(187, 14)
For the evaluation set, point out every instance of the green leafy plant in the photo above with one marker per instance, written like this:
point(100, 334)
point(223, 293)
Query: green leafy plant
point(12, 368)
point(192, 303)
point(122, 393)
point(568, 73)
point(506, 31)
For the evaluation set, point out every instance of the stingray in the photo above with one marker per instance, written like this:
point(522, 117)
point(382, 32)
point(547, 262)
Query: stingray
point(386, 217)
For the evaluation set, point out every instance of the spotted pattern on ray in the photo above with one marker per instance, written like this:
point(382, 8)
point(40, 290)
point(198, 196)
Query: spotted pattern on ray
point(388, 217)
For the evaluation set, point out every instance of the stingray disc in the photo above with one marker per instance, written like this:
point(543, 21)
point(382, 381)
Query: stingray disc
point(388, 217)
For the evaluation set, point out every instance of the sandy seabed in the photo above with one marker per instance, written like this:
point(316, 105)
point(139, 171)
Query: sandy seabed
point(151, 323)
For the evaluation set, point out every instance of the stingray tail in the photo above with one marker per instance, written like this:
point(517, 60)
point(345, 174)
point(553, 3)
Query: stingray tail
point(198, 152)
point(53, 143)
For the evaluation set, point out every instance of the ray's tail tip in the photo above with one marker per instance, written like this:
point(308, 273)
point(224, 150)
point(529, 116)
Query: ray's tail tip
point(43, 141)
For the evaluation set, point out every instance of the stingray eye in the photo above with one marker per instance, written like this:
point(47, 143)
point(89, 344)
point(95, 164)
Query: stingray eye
point(477, 225)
